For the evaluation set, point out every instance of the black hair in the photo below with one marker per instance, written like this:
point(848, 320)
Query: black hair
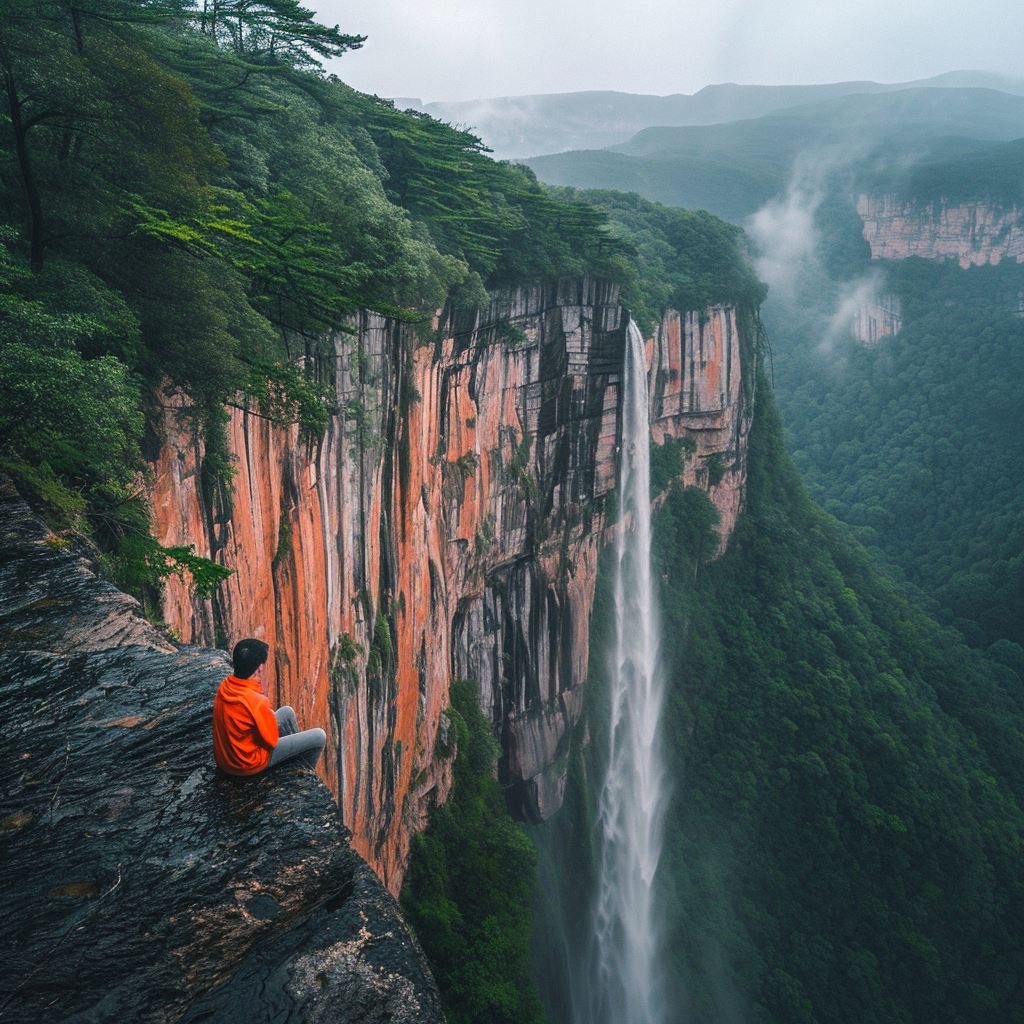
point(247, 656)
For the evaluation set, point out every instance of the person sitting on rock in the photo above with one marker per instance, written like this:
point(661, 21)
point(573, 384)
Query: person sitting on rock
point(248, 735)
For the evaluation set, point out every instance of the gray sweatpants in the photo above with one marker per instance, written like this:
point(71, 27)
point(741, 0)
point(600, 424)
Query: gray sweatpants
point(308, 744)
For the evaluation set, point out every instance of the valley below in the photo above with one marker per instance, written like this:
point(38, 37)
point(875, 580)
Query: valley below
point(642, 522)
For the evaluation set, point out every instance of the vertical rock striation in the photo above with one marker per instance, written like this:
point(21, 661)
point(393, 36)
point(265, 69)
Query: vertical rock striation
point(447, 524)
point(701, 386)
point(974, 233)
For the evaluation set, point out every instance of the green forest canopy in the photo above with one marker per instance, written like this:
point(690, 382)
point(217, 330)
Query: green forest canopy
point(917, 444)
point(185, 196)
point(848, 826)
point(683, 259)
point(844, 835)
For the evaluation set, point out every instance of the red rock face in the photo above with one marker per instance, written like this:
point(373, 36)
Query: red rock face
point(698, 389)
point(972, 233)
point(876, 318)
point(447, 525)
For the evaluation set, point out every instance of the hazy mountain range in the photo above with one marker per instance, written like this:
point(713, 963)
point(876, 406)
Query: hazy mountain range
point(515, 127)
point(734, 168)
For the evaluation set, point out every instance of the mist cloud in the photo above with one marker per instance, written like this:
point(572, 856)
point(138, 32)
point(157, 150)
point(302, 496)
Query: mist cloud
point(471, 49)
point(784, 235)
point(788, 254)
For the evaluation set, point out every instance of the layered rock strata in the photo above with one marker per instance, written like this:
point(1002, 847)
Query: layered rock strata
point(701, 388)
point(973, 233)
point(447, 524)
point(139, 884)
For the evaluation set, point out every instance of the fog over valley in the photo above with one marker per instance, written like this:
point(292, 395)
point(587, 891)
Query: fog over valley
point(512, 513)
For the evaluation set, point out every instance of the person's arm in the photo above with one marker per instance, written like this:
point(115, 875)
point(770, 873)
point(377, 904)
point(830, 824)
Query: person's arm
point(266, 721)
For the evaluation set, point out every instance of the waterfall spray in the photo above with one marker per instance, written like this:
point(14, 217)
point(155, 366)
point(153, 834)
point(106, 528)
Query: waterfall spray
point(627, 982)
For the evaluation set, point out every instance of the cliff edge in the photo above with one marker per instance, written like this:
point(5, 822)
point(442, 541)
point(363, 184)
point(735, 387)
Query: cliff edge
point(447, 525)
point(139, 883)
point(973, 233)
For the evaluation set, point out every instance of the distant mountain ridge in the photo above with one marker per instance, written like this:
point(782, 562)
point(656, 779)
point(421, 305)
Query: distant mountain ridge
point(734, 168)
point(515, 127)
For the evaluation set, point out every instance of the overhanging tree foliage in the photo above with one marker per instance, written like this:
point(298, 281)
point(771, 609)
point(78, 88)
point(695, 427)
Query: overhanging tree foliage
point(279, 30)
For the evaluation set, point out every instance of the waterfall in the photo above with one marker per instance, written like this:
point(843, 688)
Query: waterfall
point(626, 981)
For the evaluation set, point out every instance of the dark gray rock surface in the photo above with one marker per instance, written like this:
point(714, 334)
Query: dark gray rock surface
point(138, 883)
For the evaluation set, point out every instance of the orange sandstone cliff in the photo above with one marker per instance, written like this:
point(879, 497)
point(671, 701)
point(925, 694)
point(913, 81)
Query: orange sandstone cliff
point(447, 525)
point(973, 233)
point(699, 386)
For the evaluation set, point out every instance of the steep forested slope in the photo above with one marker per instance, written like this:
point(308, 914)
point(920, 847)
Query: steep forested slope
point(917, 443)
point(847, 824)
point(844, 834)
point(987, 173)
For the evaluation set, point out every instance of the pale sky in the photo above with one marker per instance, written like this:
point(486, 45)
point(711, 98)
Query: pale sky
point(473, 49)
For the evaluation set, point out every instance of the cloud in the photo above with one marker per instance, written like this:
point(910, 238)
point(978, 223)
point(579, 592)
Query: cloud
point(787, 243)
point(469, 49)
point(784, 236)
point(854, 297)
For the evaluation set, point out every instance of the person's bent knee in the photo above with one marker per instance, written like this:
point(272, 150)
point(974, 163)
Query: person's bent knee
point(287, 723)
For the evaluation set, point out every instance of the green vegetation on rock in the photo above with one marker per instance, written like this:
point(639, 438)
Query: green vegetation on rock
point(683, 259)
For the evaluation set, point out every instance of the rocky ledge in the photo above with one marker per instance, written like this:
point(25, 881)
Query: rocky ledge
point(139, 883)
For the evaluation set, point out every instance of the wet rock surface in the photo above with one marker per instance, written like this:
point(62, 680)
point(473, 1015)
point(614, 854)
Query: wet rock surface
point(139, 884)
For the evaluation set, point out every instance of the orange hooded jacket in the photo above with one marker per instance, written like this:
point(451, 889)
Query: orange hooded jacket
point(244, 727)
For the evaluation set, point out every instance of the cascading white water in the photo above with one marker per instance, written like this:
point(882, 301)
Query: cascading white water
point(627, 977)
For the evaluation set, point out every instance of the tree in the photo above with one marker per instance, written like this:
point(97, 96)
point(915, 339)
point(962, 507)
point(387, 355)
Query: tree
point(93, 120)
point(275, 30)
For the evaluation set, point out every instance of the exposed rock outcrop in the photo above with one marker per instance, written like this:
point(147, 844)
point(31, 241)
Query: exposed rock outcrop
point(448, 523)
point(875, 318)
point(139, 884)
point(974, 233)
point(700, 387)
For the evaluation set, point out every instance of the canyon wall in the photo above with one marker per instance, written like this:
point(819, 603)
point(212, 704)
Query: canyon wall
point(448, 524)
point(875, 318)
point(699, 388)
point(974, 233)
